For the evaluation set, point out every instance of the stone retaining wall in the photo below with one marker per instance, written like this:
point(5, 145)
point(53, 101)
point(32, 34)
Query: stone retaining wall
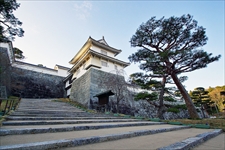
point(88, 85)
point(85, 88)
point(5, 70)
point(80, 90)
point(31, 84)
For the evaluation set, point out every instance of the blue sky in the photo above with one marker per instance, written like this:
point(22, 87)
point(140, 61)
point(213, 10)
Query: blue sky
point(56, 30)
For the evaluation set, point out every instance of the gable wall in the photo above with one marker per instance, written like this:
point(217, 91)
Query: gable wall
point(98, 49)
point(97, 62)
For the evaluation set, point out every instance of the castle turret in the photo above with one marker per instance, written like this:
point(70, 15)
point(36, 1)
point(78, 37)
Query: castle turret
point(94, 58)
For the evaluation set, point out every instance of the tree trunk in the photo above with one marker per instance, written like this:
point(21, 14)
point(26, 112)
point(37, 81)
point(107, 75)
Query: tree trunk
point(202, 109)
point(190, 106)
point(117, 106)
point(161, 111)
point(161, 105)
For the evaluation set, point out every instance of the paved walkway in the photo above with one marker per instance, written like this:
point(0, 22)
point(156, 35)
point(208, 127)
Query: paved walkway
point(46, 124)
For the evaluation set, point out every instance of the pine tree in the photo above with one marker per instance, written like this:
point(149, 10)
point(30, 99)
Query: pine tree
point(201, 99)
point(177, 44)
point(9, 24)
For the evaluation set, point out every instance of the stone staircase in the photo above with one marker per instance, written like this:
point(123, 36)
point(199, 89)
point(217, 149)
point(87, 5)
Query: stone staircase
point(46, 124)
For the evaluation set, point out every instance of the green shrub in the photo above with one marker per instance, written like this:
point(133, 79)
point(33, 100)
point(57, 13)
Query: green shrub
point(168, 98)
point(155, 119)
point(181, 107)
point(173, 109)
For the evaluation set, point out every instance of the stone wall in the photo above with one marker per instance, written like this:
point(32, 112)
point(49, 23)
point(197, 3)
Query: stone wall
point(31, 84)
point(88, 85)
point(5, 70)
point(85, 88)
point(80, 90)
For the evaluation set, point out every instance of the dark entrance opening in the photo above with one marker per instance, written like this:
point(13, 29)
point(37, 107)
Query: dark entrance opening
point(103, 100)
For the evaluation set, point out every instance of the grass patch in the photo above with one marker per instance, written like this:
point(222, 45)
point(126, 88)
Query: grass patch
point(203, 123)
point(175, 123)
point(73, 103)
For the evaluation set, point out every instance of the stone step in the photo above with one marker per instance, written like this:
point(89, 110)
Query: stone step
point(54, 113)
point(48, 110)
point(61, 139)
point(188, 139)
point(216, 143)
point(52, 122)
point(75, 127)
point(66, 125)
point(176, 140)
point(60, 115)
point(58, 118)
point(44, 124)
point(193, 141)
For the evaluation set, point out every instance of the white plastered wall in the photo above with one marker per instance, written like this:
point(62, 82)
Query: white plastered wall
point(97, 49)
point(60, 72)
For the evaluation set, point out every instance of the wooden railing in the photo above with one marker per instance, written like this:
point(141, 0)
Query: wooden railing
point(8, 104)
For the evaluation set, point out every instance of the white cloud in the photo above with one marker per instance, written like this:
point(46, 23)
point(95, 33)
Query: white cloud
point(83, 9)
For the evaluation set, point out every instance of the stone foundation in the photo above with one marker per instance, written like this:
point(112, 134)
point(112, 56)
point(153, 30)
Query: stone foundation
point(31, 84)
point(87, 86)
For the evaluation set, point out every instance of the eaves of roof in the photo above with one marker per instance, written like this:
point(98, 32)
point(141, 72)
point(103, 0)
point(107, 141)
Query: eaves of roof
point(90, 42)
point(109, 48)
point(83, 48)
point(62, 67)
point(92, 52)
point(109, 58)
point(79, 61)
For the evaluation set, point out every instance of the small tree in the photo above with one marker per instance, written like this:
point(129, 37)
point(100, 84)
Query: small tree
point(222, 93)
point(177, 42)
point(151, 85)
point(157, 91)
point(217, 97)
point(9, 24)
point(18, 54)
point(201, 99)
point(115, 82)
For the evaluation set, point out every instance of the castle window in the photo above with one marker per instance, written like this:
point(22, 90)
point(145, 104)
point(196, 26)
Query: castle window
point(103, 52)
point(116, 67)
point(104, 63)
